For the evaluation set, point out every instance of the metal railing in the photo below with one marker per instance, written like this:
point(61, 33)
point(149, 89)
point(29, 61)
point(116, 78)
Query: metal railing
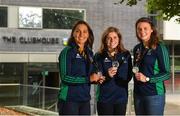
point(32, 92)
point(44, 97)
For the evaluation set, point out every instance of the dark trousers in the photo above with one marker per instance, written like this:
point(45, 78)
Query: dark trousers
point(73, 108)
point(111, 109)
point(149, 105)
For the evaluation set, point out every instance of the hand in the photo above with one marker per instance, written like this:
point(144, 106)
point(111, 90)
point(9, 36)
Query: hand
point(94, 77)
point(101, 79)
point(112, 71)
point(140, 77)
point(97, 77)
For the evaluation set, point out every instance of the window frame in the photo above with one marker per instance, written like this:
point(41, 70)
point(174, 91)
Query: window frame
point(6, 25)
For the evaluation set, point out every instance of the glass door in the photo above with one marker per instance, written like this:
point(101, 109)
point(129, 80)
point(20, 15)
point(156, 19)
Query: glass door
point(43, 81)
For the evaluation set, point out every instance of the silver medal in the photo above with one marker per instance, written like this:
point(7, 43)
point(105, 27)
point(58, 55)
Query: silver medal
point(115, 64)
point(135, 69)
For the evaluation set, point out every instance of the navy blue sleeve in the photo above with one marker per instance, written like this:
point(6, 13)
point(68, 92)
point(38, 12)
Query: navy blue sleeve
point(97, 65)
point(125, 70)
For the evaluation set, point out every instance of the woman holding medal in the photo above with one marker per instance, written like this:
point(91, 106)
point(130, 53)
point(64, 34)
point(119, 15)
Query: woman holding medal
point(114, 62)
point(151, 69)
point(75, 68)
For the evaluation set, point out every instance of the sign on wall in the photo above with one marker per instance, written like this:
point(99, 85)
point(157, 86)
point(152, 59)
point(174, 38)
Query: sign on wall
point(171, 30)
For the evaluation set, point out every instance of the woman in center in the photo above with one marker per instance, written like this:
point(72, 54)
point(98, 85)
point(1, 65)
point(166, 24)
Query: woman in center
point(115, 64)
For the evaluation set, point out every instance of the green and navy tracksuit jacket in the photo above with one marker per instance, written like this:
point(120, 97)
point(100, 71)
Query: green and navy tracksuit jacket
point(156, 65)
point(74, 74)
point(114, 90)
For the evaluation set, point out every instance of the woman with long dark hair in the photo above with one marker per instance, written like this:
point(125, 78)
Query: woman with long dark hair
point(75, 69)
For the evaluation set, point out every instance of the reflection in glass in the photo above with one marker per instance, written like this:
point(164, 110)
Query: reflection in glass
point(30, 17)
point(61, 18)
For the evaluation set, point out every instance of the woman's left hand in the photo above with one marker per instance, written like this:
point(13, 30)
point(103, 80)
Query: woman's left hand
point(112, 71)
point(98, 78)
point(140, 77)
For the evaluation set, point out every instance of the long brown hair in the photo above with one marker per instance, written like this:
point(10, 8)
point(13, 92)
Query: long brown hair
point(90, 40)
point(103, 46)
point(154, 39)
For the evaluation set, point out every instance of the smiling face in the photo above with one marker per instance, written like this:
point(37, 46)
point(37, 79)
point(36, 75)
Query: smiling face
point(144, 31)
point(81, 34)
point(112, 41)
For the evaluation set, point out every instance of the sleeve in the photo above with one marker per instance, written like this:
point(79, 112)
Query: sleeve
point(162, 72)
point(134, 53)
point(129, 68)
point(125, 74)
point(65, 69)
point(97, 66)
point(133, 56)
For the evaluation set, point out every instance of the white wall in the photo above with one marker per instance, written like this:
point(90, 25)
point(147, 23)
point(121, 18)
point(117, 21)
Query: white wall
point(171, 30)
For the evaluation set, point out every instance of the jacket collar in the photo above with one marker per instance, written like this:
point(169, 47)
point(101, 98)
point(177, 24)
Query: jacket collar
point(76, 47)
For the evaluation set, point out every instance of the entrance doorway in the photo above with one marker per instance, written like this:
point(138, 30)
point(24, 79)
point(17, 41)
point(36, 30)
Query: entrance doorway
point(43, 79)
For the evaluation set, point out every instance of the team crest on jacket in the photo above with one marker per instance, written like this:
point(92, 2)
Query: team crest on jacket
point(123, 59)
point(78, 55)
point(106, 60)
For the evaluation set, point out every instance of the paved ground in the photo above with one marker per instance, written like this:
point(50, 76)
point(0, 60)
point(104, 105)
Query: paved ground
point(172, 104)
point(172, 109)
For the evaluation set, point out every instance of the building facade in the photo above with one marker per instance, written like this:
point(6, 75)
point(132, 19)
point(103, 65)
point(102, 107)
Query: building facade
point(28, 53)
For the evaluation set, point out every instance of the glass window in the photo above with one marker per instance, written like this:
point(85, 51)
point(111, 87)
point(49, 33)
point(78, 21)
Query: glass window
point(10, 75)
point(177, 75)
point(36, 78)
point(37, 70)
point(152, 15)
point(3, 16)
point(60, 18)
point(11, 72)
point(173, 83)
point(30, 17)
point(176, 47)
